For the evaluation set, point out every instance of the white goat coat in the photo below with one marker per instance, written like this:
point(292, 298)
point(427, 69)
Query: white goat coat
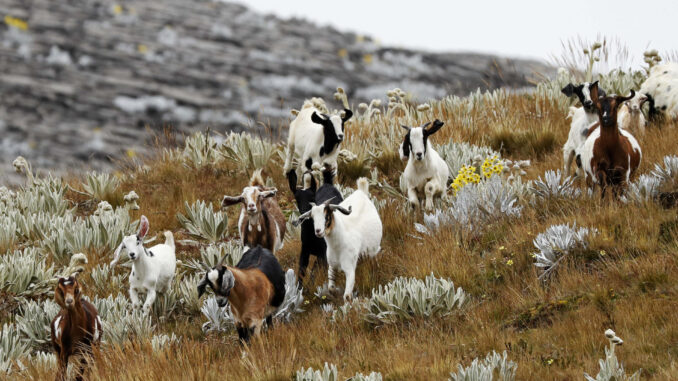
point(581, 121)
point(662, 85)
point(354, 235)
point(432, 170)
point(151, 274)
point(306, 138)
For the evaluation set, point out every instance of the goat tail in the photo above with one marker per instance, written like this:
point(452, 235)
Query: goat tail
point(257, 180)
point(363, 185)
point(169, 239)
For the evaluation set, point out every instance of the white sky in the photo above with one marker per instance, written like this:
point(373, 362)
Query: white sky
point(518, 28)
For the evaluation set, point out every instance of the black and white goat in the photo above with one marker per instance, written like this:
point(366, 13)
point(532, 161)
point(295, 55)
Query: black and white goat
point(152, 269)
point(255, 288)
point(314, 137)
point(306, 196)
point(351, 229)
point(426, 173)
point(582, 118)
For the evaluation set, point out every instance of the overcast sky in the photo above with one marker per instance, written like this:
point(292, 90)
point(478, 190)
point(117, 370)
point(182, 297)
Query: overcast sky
point(520, 28)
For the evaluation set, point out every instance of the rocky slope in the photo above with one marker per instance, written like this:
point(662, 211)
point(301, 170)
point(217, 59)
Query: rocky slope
point(81, 80)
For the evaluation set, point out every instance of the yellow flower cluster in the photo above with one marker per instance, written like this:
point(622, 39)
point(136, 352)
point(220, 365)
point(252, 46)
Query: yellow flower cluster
point(492, 165)
point(15, 22)
point(467, 174)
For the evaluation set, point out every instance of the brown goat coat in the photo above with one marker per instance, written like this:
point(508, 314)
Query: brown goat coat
point(250, 297)
point(78, 330)
point(266, 226)
point(263, 228)
point(613, 153)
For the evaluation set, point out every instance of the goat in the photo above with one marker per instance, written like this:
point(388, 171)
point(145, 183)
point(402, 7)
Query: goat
point(255, 287)
point(356, 230)
point(310, 243)
point(314, 137)
point(76, 328)
point(582, 119)
point(661, 88)
point(610, 155)
point(427, 173)
point(630, 115)
point(261, 221)
point(152, 269)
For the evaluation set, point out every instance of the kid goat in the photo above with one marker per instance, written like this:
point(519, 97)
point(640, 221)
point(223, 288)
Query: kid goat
point(76, 328)
point(261, 221)
point(351, 229)
point(582, 118)
point(255, 287)
point(314, 137)
point(610, 155)
point(305, 197)
point(152, 269)
point(426, 173)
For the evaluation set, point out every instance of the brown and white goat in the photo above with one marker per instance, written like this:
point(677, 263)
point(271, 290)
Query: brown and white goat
point(255, 288)
point(76, 328)
point(261, 221)
point(610, 155)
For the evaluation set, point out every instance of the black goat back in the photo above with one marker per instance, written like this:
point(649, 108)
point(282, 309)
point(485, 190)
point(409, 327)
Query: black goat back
point(263, 259)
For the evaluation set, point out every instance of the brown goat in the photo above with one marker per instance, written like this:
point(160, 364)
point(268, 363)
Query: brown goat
point(76, 328)
point(261, 221)
point(609, 155)
point(255, 288)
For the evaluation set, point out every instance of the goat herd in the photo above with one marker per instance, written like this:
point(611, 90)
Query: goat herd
point(335, 230)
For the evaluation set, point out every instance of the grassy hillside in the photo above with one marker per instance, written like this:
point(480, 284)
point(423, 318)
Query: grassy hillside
point(622, 275)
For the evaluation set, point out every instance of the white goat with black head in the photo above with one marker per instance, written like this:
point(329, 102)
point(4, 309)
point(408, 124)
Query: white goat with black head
point(152, 269)
point(314, 137)
point(351, 229)
point(426, 173)
point(582, 119)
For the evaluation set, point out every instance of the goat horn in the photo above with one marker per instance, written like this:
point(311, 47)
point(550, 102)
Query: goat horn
point(342, 209)
point(405, 127)
point(301, 218)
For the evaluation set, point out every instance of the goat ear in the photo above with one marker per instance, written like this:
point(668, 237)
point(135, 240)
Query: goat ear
point(437, 124)
point(202, 286)
point(230, 200)
point(292, 180)
point(405, 147)
point(595, 94)
point(268, 193)
point(347, 115)
point(568, 90)
point(315, 118)
point(143, 227)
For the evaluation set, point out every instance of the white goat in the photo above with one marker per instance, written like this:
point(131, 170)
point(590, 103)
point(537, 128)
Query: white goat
point(315, 138)
point(356, 230)
point(426, 173)
point(152, 269)
point(630, 115)
point(662, 88)
point(582, 118)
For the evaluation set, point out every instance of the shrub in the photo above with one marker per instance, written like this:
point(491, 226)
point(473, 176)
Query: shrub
point(248, 152)
point(476, 206)
point(203, 222)
point(330, 373)
point(554, 186)
point(406, 298)
point(11, 347)
point(24, 273)
point(610, 368)
point(200, 150)
point(101, 186)
point(556, 243)
point(34, 321)
point(486, 369)
point(210, 255)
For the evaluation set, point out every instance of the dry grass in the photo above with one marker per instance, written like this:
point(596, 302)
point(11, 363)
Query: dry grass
point(625, 281)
